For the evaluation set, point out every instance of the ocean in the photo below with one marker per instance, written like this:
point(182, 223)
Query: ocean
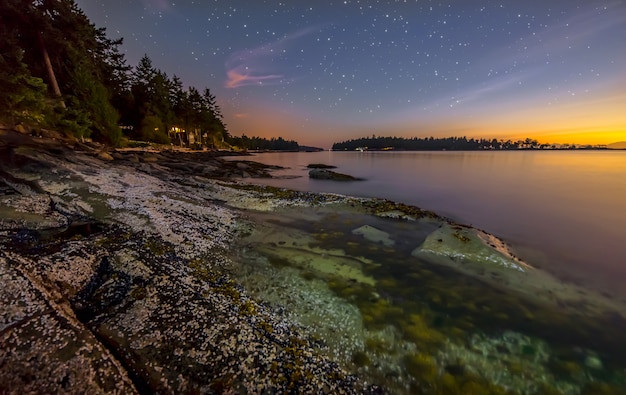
point(390, 312)
point(562, 211)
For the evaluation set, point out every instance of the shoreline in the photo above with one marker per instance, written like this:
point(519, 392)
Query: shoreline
point(121, 246)
point(552, 236)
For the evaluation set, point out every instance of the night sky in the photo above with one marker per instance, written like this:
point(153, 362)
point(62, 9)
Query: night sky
point(326, 71)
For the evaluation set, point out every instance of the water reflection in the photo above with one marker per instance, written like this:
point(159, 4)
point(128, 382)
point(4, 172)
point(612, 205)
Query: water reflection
point(563, 210)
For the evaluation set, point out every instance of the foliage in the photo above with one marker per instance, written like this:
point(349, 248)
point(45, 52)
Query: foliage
point(53, 41)
point(70, 120)
point(23, 98)
point(153, 129)
point(186, 115)
point(92, 98)
point(58, 70)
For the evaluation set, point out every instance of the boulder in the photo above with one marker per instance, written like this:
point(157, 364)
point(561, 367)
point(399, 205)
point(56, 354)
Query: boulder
point(374, 235)
point(457, 244)
point(105, 156)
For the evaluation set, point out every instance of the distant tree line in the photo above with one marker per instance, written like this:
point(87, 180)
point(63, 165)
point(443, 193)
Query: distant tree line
point(440, 144)
point(260, 143)
point(59, 71)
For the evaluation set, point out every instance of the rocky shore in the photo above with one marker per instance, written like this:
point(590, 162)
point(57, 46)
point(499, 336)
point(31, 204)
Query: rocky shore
point(114, 270)
point(124, 271)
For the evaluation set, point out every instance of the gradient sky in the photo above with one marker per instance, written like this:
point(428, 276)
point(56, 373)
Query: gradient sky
point(326, 71)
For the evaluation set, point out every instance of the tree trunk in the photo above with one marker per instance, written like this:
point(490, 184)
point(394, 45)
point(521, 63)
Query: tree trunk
point(51, 76)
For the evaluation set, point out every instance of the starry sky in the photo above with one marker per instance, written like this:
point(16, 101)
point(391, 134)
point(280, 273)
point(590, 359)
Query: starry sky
point(326, 71)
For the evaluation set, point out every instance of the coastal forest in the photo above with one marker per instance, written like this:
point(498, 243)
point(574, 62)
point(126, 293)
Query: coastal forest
point(59, 71)
point(378, 143)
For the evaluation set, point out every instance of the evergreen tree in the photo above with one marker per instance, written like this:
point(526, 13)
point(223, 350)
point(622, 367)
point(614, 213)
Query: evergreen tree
point(151, 95)
point(61, 47)
point(215, 127)
point(23, 98)
point(49, 48)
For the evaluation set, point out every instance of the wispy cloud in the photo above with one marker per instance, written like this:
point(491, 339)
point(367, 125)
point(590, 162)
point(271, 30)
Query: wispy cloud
point(257, 66)
point(238, 77)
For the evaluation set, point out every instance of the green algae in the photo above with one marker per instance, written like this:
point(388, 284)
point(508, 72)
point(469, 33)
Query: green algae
point(360, 359)
point(322, 262)
point(417, 330)
point(281, 193)
point(430, 305)
point(158, 247)
point(381, 206)
point(422, 367)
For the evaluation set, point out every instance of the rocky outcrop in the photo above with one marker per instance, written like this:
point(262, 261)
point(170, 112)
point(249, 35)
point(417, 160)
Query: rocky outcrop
point(126, 275)
point(320, 166)
point(325, 174)
point(115, 279)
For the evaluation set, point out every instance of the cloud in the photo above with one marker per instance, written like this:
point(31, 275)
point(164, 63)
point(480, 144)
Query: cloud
point(238, 77)
point(257, 66)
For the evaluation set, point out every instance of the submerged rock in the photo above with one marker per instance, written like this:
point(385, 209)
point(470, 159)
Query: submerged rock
point(461, 244)
point(320, 166)
point(324, 174)
point(374, 235)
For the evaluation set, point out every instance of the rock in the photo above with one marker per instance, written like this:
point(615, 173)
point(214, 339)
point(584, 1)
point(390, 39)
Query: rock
point(321, 261)
point(324, 174)
point(105, 156)
point(374, 235)
point(242, 166)
point(593, 362)
point(459, 244)
point(396, 214)
point(321, 166)
point(133, 158)
point(150, 158)
point(45, 349)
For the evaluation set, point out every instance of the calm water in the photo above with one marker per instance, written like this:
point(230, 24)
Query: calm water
point(562, 210)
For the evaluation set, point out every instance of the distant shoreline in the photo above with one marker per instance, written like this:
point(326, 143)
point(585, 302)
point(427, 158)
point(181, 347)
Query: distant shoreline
point(479, 150)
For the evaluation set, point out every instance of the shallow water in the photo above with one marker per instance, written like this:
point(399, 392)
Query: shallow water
point(422, 327)
point(561, 210)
